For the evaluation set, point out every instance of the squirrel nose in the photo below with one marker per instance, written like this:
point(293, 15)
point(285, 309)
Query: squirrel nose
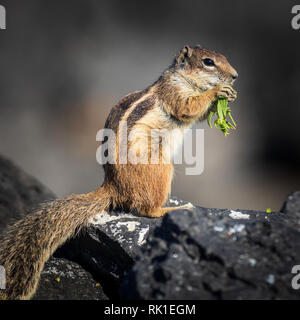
point(234, 75)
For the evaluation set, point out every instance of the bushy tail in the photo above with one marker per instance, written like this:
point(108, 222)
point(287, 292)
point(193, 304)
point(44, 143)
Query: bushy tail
point(28, 244)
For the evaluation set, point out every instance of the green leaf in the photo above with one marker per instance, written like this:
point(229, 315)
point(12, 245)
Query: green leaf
point(221, 109)
point(230, 116)
point(209, 118)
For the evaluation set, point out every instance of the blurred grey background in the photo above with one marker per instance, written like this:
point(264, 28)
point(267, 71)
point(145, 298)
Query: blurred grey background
point(64, 64)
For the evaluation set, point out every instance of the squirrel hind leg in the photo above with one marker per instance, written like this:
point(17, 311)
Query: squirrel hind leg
point(160, 212)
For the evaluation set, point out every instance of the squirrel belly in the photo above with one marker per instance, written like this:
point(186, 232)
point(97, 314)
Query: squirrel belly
point(181, 96)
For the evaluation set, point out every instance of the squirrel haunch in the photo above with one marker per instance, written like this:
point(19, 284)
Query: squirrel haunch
point(181, 96)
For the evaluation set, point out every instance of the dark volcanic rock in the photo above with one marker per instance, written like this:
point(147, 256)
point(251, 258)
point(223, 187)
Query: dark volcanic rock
point(65, 280)
point(198, 254)
point(109, 246)
point(19, 192)
point(217, 254)
point(292, 205)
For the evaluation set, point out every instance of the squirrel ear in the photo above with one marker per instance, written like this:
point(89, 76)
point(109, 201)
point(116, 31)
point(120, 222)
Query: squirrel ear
point(185, 52)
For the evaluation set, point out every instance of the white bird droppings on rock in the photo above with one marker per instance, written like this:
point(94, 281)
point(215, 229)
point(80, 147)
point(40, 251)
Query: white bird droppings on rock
point(131, 225)
point(219, 228)
point(252, 262)
point(104, 217)
point(237, 228)
point(142, 234)
point(190, 205)
point(238, 215)
point(271, 279)
point(174, 201)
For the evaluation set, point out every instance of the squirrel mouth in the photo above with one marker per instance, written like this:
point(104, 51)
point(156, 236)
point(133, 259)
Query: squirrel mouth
point(228, 81)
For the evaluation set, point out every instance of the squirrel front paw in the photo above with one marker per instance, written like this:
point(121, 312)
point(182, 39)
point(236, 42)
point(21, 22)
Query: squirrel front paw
point(226, 91)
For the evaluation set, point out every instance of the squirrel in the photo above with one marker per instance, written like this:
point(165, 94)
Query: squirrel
point(183, 95)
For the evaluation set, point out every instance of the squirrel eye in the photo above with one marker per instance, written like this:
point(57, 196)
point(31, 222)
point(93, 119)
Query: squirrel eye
point(209, 62)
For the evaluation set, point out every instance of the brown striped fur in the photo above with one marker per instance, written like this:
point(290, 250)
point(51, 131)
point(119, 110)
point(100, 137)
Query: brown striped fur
point(182, 95)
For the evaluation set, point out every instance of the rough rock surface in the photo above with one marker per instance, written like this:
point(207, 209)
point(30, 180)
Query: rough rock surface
point(19, 192)
point(65, 280)
point(198, 254)
point(292, 205)
point(217, 254)
point(109, 246)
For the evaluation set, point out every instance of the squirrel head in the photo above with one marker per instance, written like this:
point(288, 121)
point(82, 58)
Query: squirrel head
point(204, 68)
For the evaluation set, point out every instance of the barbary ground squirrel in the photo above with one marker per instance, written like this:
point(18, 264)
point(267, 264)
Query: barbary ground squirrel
point(182, 95)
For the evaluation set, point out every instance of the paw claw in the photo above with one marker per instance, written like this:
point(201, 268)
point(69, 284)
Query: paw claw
point(227, 92)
